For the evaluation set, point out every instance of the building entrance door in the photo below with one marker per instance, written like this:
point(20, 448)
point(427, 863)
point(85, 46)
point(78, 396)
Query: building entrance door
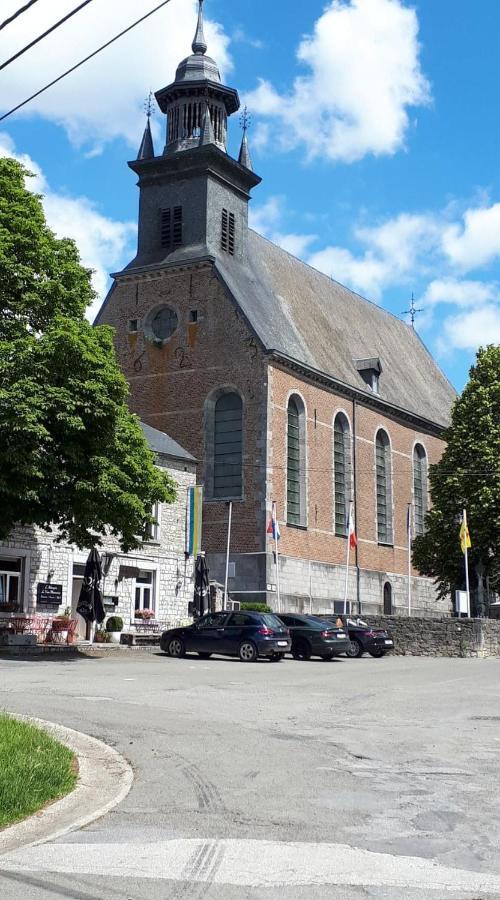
point(387, 599)
point(82, 633)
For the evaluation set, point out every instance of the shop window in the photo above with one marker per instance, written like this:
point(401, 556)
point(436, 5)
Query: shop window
point(144, 591)
point(10, 584)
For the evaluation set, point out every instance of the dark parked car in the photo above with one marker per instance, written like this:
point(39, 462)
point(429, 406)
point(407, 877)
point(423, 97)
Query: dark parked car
point(364, 638)
point(314, 637)
point(244, 634)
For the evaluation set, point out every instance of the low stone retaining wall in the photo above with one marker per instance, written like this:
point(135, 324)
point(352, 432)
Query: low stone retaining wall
point(442, 637)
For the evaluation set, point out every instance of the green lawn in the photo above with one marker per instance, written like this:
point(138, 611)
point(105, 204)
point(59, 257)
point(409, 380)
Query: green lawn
point(34, 769)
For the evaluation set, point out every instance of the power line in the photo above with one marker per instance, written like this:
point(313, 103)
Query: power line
point(83, 61)
point(44, 35)
point(17, 14)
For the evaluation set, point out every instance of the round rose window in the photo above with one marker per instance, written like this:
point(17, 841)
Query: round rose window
point(164, 323)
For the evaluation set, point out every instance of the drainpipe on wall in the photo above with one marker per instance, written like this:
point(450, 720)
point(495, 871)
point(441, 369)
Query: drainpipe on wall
point(355, 479)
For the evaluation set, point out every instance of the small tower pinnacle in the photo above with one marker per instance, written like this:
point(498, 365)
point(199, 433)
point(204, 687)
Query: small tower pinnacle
point(147, 150)
point(244, 158)
point(199, 44)
point(207, 131)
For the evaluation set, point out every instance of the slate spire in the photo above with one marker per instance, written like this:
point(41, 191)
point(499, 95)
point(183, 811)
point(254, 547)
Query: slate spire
point(244, 158)
point(199, 43)
point(207, 132)
point(147, 150)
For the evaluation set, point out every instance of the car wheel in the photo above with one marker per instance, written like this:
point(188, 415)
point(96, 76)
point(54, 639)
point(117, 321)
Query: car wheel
point(377, 654)
point(277, 657)
point(354, 650)
point(204, 655)
point(176, 648)
point(248, 652)
point(327, 656)
point(301, 650)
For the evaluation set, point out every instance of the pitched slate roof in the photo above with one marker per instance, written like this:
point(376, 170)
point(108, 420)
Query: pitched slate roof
point(163, 443)
point(305, 315)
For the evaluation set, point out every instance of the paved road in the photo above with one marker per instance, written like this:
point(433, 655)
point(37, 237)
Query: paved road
point(349, 779)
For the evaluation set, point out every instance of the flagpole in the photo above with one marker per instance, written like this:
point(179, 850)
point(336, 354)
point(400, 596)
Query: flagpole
point(276, 544)
point(409, 529)
point(466, 556)
point(229, 526)
point(347, 560)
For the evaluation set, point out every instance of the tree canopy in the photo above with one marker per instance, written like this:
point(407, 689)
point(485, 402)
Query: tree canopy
point(72, 456)
point(467, 477)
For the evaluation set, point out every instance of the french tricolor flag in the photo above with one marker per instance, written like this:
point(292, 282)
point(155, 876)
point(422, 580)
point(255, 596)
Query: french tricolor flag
point(351, 530)
point(273, 527)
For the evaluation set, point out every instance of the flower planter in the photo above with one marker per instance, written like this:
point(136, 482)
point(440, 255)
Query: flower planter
point(115, 636)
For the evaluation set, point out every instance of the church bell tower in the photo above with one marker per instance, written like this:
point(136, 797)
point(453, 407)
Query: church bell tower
point(194, 197)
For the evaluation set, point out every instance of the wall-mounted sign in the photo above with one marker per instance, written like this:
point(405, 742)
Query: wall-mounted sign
point(49, 594)
point(110, 603)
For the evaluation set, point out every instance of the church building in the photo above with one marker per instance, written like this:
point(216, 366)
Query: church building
point(285, 385)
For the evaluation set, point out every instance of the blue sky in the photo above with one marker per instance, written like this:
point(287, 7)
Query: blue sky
point(375, 130)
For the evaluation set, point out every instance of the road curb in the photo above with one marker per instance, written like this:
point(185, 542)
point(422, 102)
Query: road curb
point(105, 778)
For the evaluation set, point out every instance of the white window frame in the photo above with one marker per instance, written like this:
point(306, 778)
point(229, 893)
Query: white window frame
point(154, 537)
point(153, 571)
point(24, 590)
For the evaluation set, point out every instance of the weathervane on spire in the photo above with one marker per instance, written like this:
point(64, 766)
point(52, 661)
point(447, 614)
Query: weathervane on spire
point(412, 311)
point(245, 119)
point(149, 108)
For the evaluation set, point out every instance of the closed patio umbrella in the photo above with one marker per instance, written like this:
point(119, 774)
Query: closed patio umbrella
point(201, 585)
point(90, 605)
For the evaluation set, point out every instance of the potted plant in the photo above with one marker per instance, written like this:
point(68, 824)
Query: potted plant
point(145, 615)
point(60, 625)
point(101, 636)
point(114, 627)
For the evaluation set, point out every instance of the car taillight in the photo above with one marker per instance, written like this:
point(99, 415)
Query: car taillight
point(372, 633)
point(326, 634)
point(266, 631)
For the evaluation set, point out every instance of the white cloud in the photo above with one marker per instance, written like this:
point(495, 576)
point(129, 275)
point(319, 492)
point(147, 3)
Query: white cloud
point(268, 218)
point(476, 241)
point(460, 293)
point(473, 329)
point(103, 243)
point(104, 99)
point(363, 75)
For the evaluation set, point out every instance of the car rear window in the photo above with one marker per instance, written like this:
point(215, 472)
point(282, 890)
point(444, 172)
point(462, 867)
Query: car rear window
point(318, 623)
point(272, 621)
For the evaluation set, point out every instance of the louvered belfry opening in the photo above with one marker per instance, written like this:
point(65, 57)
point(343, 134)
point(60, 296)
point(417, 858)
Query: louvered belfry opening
point(185, 123)
point(171, 228)
point(384, 489)
point(419, 488)
point(228, 232)
point(228, 447)
point(341, 472)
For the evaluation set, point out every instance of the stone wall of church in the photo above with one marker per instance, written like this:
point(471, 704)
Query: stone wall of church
point(317, 541)
point(170, 384)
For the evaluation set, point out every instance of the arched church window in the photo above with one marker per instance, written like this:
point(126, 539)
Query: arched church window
point(341, 472)
point(420, 489)
point(296, 478)
point(228, 447)
point(384, 488)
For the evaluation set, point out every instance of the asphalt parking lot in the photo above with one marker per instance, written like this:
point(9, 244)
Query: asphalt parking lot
point(352, 778)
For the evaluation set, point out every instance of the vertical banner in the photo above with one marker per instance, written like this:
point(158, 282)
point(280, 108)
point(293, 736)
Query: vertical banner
point(194, 520)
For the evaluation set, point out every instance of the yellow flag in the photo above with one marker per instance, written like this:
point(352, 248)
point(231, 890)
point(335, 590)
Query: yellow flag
point(465, 540)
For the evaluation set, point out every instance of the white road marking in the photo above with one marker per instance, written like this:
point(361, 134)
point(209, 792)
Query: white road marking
point(250, 864)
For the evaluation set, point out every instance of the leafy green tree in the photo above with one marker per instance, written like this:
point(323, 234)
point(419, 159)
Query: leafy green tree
point(71, 454)
point(467, 477)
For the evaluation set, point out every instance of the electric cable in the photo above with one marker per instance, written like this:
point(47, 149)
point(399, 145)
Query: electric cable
point(18, 13)
point(83, 61)
point(45, 34)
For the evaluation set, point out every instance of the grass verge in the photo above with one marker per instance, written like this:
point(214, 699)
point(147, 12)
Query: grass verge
point(34, 770)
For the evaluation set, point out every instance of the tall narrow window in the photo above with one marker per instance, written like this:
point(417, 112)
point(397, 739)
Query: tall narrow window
point(341, 472)
point(228, 232)
point(420, 487)
point(296, 479)
point(228, 446)
point(384, 489)
point(166, 227)
point(177, 232)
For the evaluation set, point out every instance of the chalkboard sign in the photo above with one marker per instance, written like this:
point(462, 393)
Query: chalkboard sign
point(49, 594)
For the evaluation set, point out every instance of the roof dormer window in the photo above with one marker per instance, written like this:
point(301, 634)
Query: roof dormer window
point(370, 370)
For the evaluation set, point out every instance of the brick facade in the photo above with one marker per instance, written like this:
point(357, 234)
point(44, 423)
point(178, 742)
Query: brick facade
point(171, 386)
